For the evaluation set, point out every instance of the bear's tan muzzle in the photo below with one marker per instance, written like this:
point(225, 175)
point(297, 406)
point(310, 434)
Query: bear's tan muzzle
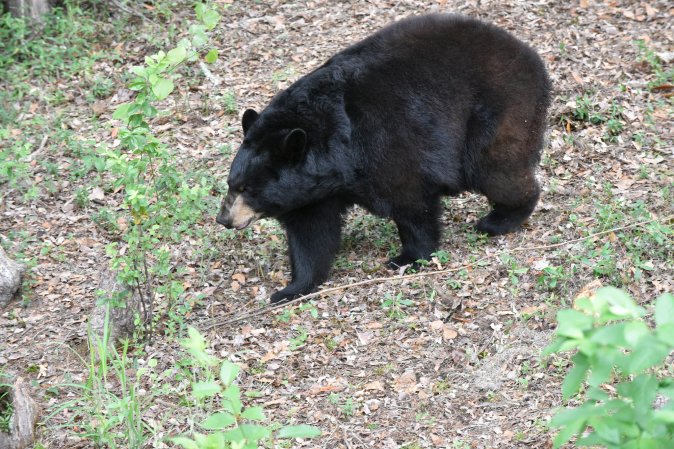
point(236, 213)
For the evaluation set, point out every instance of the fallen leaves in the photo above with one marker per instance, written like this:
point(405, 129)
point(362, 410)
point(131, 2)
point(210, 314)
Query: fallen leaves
point(448, 333)
point(393, 370)
point(238, 280)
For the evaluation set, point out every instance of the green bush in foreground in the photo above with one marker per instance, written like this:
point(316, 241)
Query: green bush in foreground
point(234, 426)
point(628, 402)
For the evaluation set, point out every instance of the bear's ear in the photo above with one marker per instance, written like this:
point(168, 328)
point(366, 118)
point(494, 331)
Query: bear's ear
point(248, 119)
point(294, 145)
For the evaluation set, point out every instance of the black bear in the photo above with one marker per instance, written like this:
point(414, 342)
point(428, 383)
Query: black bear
point(428, 106)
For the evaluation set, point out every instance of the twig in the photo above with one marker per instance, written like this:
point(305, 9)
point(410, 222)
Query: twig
point(264, 310)
point(34, 154)
point(209, 75)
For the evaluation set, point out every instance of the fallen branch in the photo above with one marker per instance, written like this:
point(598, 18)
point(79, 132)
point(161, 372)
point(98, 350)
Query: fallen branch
point(219, 322)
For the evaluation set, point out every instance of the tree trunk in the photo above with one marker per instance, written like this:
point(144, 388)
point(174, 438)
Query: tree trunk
point(29, 9)
point(121, 321)
point(10, 278)
point(22, 425)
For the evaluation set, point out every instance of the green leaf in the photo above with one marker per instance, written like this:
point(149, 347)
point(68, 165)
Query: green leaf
point(234, 435)
point(211, 56)
point(185, 442)
point(122, 111)
point(139, 70)
point(162, 88)
point(199, 37)
point(575, 377)
point(228, 372)
point(620, 303)
point(635, 331)
point(202, 390)
point(214, 440)
point(611, 334)
point(642, 391)
point(176, 56)
point(218, 421)
point(600, 371)
point(607, 429)
point(194, 341)
point(232, 399)
point(568, 432)
point(647, 442)
point(648, 353)
point(572, 323)
point(664, 309)
point(135, 120)
point(568, 416)
point(665, 416)
point(255, 432)
point(665, 333)
point(199, 9)
point(301, 431)
point(210, 18)
point(137, 84)
point(254, 414)
point(597, 394)
point(591, 439)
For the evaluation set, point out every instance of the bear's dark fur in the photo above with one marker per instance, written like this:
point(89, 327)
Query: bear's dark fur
point(428, 106)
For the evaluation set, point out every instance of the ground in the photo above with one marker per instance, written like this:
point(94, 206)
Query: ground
point(448, 359)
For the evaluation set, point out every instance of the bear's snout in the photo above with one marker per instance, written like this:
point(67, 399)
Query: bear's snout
point(236, 213)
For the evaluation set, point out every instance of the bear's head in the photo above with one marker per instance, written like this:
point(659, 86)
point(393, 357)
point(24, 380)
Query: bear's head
point(277, 169)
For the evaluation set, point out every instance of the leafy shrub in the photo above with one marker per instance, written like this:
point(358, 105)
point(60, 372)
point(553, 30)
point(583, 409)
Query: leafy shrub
point(160, 205)
point(234, 426)
point(629, 399)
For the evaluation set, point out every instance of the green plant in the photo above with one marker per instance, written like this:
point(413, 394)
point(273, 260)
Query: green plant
point(106, 219)
point(109, 407)
point(101, 87)
point(6, 409)
point(346, 406)
point(14, 162)
point(513, 268)
point(230, 102)
point(442, 256)
point(161, 206)
point(299, 340)
point(61, 49)
point(394, 305)
point(551, 276)
point(586, 111)
point(616, 347)
point(233, 426)
point(652, 60)
point(614, 124)
point(460, 444)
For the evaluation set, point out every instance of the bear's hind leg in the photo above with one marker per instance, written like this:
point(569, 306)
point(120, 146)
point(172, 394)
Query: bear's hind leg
point(505, 170)
point(513, 197)
point(419, 235)
point(314, 235)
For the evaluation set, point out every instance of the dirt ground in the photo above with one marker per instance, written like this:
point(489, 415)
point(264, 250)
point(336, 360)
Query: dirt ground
point(449, 360)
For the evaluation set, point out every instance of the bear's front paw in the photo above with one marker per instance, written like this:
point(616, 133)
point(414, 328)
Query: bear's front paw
point(402, 260)
point(494, 224)
point(288, 294)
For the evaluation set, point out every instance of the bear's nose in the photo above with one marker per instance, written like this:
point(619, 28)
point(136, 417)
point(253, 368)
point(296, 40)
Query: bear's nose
point(225, 220)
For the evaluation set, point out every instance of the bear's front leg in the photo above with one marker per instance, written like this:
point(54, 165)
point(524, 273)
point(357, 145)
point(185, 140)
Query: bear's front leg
point(419, 235)
point(314, 235)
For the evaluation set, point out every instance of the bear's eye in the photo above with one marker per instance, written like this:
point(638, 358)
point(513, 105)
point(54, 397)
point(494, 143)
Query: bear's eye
point(242, 189)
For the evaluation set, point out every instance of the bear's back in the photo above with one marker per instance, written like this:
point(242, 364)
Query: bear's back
point(440, 41)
